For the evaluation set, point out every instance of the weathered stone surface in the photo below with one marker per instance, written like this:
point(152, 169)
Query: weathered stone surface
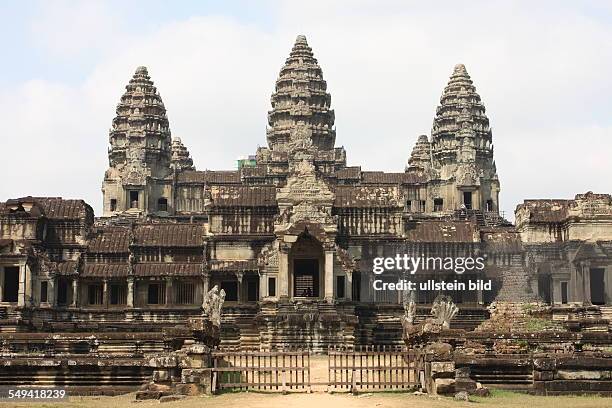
point(462, 396)
point(445, 386)
point(171, 398)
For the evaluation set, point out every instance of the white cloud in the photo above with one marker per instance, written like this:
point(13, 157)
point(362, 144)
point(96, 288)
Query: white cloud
point(541, 71)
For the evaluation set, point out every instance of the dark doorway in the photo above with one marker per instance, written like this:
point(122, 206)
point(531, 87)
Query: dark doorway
point(252, 290)
point(62, 292)
point(544, 287)
point(133, 199)
point(231, 290)
point(467, 199)
point(340, 284)
point(598, 292)
point(10, 289)
point(564, 292)
point(356, 289)
point(306, 277)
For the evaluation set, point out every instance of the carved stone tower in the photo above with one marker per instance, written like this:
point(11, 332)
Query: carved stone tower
point(462, 149)
point(301, 104)
point(138, 179)
point(301, 116)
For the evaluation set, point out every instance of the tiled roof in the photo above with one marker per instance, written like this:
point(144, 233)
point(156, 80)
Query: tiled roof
point(233, 265)
point(169, 235)
point(379, 177)
point(110, 240)
point(441, 231)
point(349, 173)
point(210, 177)
point(66, 267)
point(105, 270)
point(168, 269)
point(366, 196)
point(55, 207)
point(244, 196)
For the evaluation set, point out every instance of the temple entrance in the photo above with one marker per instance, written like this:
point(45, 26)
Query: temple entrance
point(467, 199)
point(306, 264)
point(306, 277)
point(10, 287)
point(598, 293)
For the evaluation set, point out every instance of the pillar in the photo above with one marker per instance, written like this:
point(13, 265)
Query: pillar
point(105, 293)
point(205, 286)
point(239, 277)
point(349, 286)
point(75, 292)
point(169, 297)
point(21, 293)
point(283, 272)
point(263, 285)
point(130, 292)
point(1, 282)
point(52, 292)
point(329, 275)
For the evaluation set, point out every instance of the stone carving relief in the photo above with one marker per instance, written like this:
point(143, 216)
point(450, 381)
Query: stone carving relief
point(468, 175)
point(443, 311)
point(212, 304)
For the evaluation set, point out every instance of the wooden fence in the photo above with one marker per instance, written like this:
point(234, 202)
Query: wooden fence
point(373, 368)
point(258, 370)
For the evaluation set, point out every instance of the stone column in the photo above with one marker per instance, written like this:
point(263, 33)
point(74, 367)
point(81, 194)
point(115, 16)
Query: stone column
point(75, 292)
point(1, 282)
point(21, 294)
point(349, 286)
point(239, 277)
point(130, 292)
point(169, 297)
point(263, 285)
point(52, 292)
point(205, 286)
point(329, 275)
point(283, 272)
point(105, 293)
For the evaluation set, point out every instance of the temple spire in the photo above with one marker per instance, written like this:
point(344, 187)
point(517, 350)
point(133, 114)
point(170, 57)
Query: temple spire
point(301, 113)
point(460, 107)
point(180, 156)
point(140, 130)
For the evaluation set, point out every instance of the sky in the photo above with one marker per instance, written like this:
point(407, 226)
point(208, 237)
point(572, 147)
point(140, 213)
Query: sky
point(543, 70)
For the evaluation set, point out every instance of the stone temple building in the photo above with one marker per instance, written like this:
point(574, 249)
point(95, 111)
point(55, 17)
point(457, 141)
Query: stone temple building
point(291, 237)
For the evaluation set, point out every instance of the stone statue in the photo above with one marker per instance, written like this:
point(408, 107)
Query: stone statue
point(212, 304)
point(409, 304)
point(443, 311)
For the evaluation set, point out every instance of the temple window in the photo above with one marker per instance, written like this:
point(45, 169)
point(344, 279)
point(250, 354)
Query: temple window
point(271, 286)
point(162, 204)
point(10, 285)
point(113, 204)
point(438, 204)
point(118, 294)
point(422, 206)
point(340, 283)
point(231, 290)
point(156, 293)
point(490, 205)
point(44, 291)
point(94, 294)
point(409, 205)
point(185, 293)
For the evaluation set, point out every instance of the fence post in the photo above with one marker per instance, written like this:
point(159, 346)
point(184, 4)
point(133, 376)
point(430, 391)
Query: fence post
point(284, 387)
point(353, 382)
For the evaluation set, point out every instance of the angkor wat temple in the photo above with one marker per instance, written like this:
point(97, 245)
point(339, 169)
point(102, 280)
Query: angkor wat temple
point(291, 235)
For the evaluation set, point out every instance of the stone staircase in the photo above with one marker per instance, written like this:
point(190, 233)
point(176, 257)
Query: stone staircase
point(606, 314)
